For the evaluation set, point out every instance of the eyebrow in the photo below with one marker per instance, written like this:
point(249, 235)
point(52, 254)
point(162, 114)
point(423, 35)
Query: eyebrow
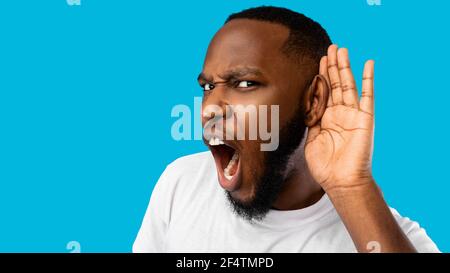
point(203, 77)
point(232, 74)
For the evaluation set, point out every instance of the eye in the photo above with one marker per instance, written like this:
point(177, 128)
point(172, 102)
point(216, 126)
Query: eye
point(246, 84)
point(207, 87)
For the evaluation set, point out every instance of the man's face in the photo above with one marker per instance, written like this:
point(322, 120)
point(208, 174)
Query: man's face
point(245, 65)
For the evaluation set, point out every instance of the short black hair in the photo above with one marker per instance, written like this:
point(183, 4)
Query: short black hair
point(307, 38)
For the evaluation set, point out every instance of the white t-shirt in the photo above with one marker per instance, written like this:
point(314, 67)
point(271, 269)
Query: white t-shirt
point(189, 212)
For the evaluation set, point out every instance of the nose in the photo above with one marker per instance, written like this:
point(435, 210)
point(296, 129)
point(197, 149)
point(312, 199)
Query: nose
point(214, 104)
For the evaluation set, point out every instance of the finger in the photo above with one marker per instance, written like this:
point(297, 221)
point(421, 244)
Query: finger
point(348, 85)
point(366, 103)
point(333, 74)
point(323, 70)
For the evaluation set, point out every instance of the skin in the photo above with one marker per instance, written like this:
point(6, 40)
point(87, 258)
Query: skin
point(336, 155)
point(238, 46)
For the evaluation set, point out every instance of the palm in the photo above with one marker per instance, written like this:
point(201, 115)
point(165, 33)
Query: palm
point(342, 149)
point(339, 148)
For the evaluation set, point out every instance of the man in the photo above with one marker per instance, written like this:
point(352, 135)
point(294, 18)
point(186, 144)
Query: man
point(315, 192)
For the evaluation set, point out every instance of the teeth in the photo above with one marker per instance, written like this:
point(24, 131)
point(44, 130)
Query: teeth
point(214, 141)
point(230, 165)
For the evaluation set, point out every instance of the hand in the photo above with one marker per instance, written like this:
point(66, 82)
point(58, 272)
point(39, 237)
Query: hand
point(338, 153)
point(339, 148)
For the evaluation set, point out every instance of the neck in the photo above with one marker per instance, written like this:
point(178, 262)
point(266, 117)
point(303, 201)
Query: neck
point(300, 190)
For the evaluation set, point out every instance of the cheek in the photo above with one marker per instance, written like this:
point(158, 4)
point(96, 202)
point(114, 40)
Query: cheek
point(261, 102)
point(262, 96)
point(288, 100)
point(252, 164)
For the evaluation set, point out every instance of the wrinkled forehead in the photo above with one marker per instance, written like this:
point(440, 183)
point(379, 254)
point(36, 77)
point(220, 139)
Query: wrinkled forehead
point(244, 42)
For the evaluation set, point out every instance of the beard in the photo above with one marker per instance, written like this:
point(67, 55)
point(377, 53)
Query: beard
point(270, 183)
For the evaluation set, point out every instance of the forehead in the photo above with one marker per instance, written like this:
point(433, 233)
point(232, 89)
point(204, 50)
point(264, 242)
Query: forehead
point(244, 42)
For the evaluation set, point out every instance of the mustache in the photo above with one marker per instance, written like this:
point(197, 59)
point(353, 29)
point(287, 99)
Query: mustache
point(243, 123)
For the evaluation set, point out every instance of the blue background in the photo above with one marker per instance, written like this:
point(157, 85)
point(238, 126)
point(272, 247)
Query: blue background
point(86, 93)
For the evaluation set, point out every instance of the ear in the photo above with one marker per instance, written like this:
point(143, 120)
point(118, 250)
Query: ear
point(316, 99)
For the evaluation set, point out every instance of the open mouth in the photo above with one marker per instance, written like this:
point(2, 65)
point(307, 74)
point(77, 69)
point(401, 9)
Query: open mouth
point(227, 160)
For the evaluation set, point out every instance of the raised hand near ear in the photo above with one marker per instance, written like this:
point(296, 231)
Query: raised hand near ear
point(338, 148)
point(338, 153)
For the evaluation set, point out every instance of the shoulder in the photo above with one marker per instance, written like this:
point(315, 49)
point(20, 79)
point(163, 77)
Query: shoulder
point(191, 162)
point(187, 179)
point(193, 168)
point(416, 234)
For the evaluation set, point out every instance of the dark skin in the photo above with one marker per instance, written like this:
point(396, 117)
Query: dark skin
point(242, 44)
point(244, 65)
